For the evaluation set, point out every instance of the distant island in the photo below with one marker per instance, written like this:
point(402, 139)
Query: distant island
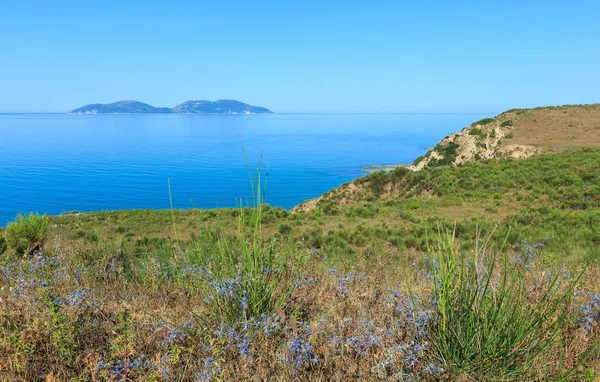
point(223, 106)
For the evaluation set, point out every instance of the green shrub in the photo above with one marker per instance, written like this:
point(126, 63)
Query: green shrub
point(482, 122)
point(509, 136)
point(79, 234)
point(448, 155)
point(406, 215)
point(366, 211)
point(91, 236)
point(377, 181)
point(329, 208)
point(506, 123)
point(418, 160)
point(475, 132)
point(411, 242)
point(26, 233)
point(285, 228)
point(63, 333)
point(3, 245)
point(485, 325)
point(122, 343)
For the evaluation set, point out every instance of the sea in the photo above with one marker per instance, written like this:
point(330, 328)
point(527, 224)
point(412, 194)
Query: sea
point(56, 163)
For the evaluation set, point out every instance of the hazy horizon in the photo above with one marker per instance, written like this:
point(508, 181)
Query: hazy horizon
point(275, 112)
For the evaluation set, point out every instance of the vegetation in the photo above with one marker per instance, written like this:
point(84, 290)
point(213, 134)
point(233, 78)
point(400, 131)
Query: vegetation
point(419, 160)
point(561, 107)
point(477, 132)
point(486, 330)
point(447, 155)
point(532, 131)
point(483, 122)
point(3, 245)
point(399, 275)
point(26, 234)
point(244, 277)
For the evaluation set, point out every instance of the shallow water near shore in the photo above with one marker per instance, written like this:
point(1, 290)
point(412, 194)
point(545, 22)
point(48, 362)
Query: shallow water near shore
point(54, 163)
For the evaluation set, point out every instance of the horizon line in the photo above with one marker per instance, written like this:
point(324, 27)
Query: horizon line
point(274, 113)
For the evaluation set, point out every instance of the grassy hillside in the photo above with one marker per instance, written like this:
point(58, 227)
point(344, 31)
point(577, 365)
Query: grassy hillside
point(484, 271)
point(519, 133)
point(555, 195)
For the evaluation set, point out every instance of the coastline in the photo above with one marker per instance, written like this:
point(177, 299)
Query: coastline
point(369, 169)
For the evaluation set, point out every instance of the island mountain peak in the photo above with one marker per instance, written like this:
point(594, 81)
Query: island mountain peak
point(222, 106)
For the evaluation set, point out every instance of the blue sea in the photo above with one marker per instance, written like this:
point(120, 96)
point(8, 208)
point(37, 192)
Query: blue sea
point(54, 163)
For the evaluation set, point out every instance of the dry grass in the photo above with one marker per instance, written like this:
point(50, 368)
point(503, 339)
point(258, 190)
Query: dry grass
point(518, 133)
point(562, 128)
point(150, 324)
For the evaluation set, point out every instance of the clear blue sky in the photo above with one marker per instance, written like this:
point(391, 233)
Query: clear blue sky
point(301, 56)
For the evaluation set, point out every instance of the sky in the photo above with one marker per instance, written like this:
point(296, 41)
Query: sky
point(301, 56)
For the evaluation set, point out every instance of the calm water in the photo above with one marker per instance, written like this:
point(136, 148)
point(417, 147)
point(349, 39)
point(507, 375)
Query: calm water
point(54, 163)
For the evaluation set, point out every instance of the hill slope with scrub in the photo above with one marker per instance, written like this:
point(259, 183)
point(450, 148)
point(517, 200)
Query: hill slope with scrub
point(518, 133)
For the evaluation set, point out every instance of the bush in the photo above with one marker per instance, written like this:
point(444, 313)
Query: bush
point(285, 228)
point(3, 245)
point(418, 160)
point(91, 236)
point(506, 123)
point(411, 242)
point(366, 211)
point(475, 132)
point(488, 326)
point(26, 233)
point(329, 208)
point(483, 122)
point(406, 215)
point(448, 153)
point(377, 181)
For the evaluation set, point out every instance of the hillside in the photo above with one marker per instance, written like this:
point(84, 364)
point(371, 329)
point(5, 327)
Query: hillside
point(518, 133)
point(189, 107)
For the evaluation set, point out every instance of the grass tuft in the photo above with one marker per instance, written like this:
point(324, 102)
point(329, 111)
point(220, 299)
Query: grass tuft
point(247, 276)
point(487, 321)
point(26, 233)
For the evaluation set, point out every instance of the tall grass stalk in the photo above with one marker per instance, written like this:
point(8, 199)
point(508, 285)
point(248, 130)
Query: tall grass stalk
point(247, 275)
point(172, 210)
